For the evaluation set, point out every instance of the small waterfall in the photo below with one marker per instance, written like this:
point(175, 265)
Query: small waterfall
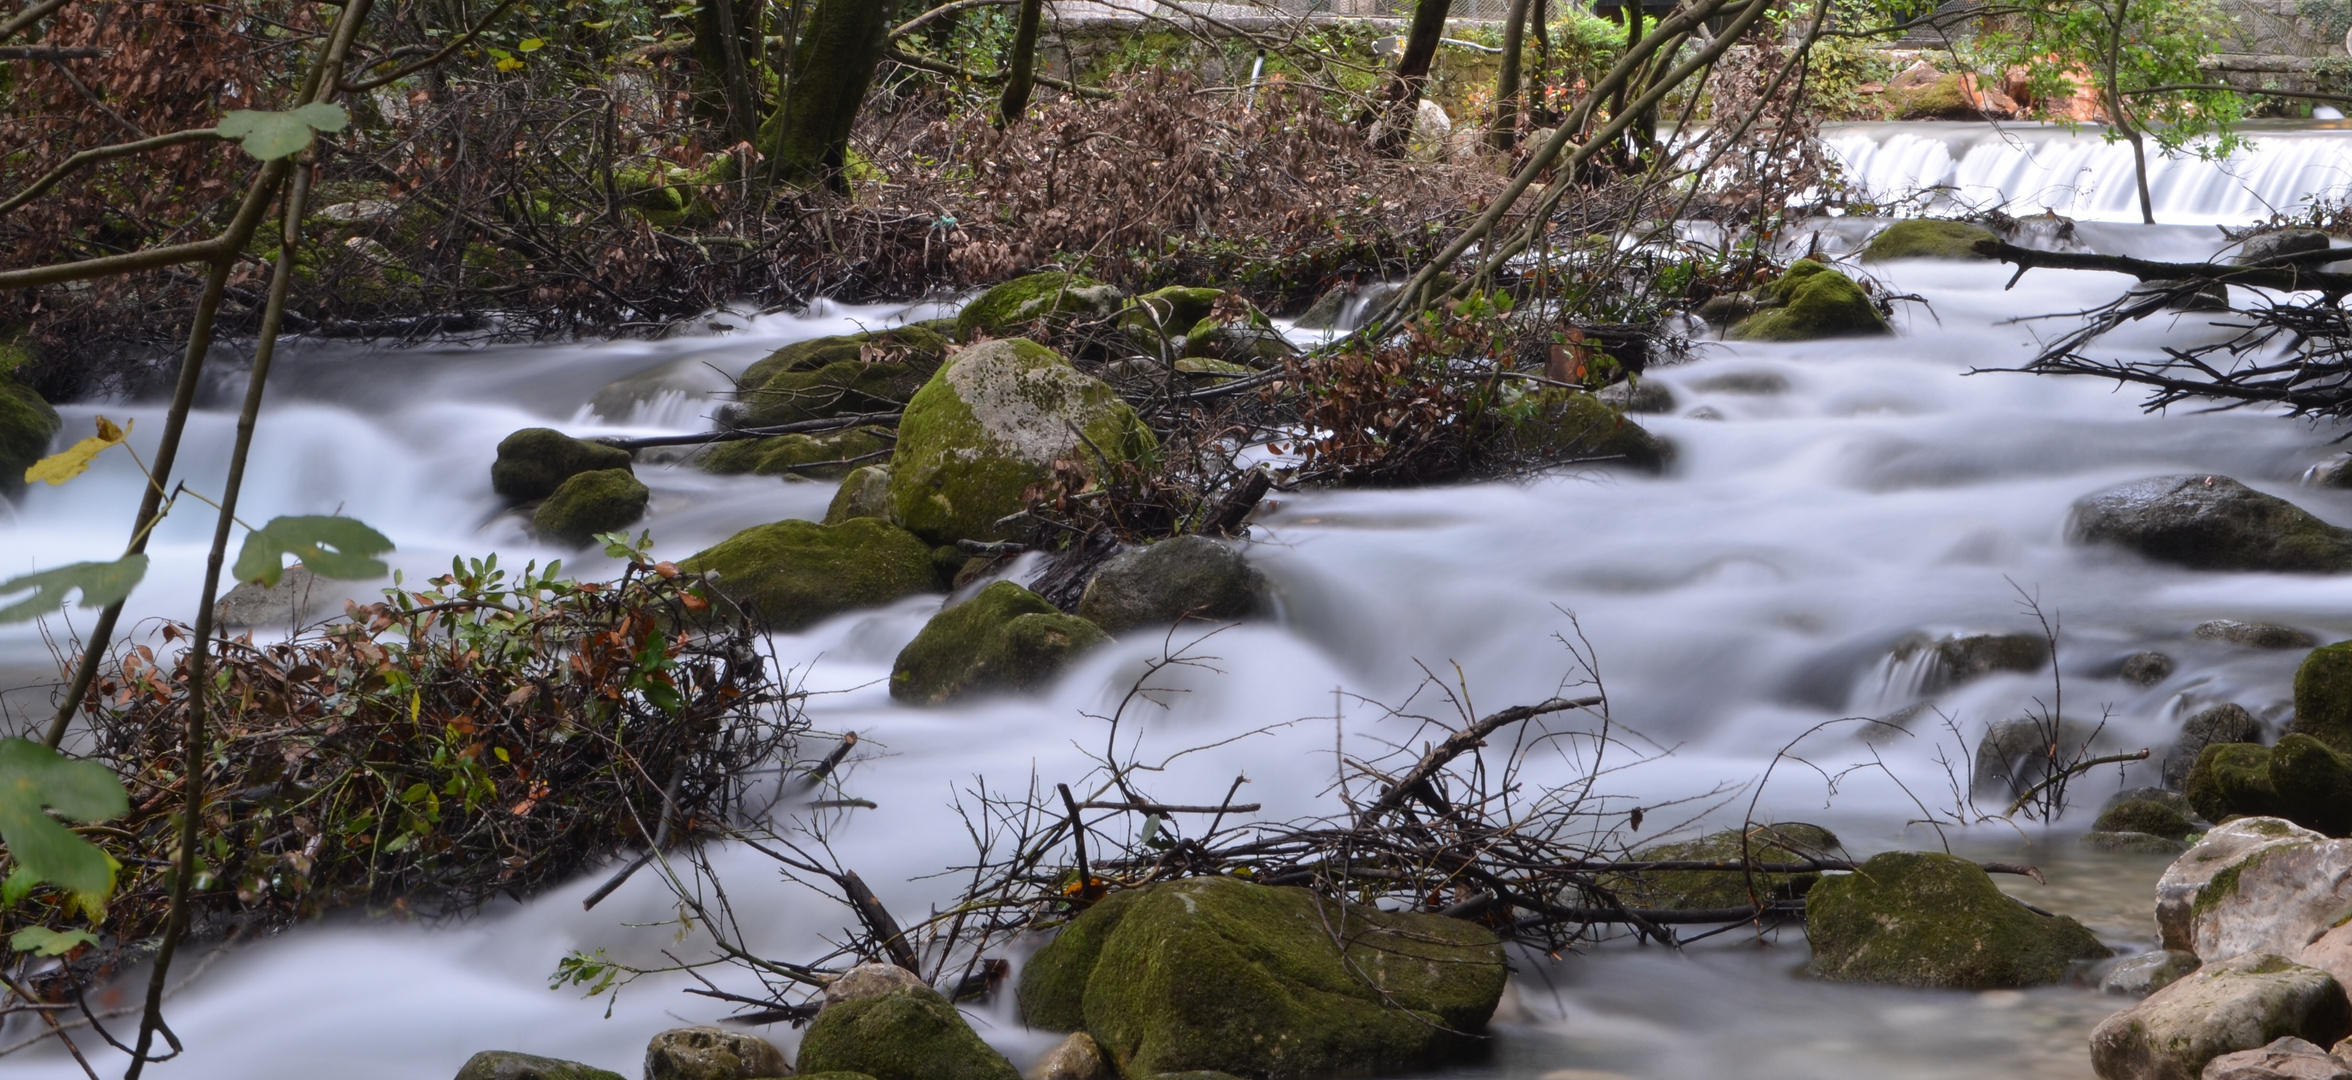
point(2031, 168)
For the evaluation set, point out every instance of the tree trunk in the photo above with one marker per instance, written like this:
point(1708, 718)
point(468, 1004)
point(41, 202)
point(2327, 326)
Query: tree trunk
point(839, 49)
point(1506, 118)
point(726, 38)
point(2115, 112)
point(1401, 99)
point(1022, 66)
point(1539, 104)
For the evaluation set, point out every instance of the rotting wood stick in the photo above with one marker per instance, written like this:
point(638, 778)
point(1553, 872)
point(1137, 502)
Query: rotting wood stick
point(1415, 783)
point(1169, 808)
point(878, 921)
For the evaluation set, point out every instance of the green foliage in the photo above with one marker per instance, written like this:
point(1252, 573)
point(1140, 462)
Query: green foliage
point(2155, 43)
point(35, 779)
point(42, 941)
point(273, 135)
point(331, 547)
point(101, 583)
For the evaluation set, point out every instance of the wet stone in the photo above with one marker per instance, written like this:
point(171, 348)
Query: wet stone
point(2255, 635)
point(2147, 668)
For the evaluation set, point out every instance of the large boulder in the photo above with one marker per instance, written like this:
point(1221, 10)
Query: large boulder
point(833, 376)
point(1187, 576)
point(2209, 523)
point(712, 1053)
point(1003, 638)
point(907, 1034)
point(1810, 301)
point(1918, 918)
point(1017, 306)
point(1573, 426)
point(2213, 725)
point(1213, 973)
point(2238, 1004)
point(794, 573)
point(1793, 842)
point(509, 1065)
point(597, 501)
point(27, 424)
point(2323, 695)
point(824, 456)
point(534, 461)
point(2255, 885)
point(992, 423)
point(2301, 779)
point(1927, 238)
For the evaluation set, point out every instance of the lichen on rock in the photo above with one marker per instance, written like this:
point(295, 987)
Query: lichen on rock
point(1003, 638)
point(1181, 577)
point(712, 1053)
point(791, 574)
point(1916, 918)
point(511, 1065)
point(865, 492)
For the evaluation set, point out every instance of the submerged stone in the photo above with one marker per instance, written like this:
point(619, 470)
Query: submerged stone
point(908, 1034)
point(1213, 973)
point(2144, 974)
point(2146, 668)
point(792, 574)
point(534, 461)
point(1927, 238)
point(1003, 638)
point(598, 501)
point(1811, 301)
point(1572, 426)
point(1177, 578)
point(2254, 635)
point(2150, 816)
point(2209, 523)
point(1916, 918)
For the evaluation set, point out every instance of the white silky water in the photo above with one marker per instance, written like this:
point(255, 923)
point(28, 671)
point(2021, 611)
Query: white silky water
point(1745, 597)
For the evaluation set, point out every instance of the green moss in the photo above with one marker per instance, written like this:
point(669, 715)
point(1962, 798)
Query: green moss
point(2145, 816)
point(1253, 343)
point(2323, 695)
point(988, 427)
point(2231, 780)
point(1793, 842)
point(865, 492)
point(793, 573)
point(918, 342)
point(1217, 974)
point(27, 426)
point(1944, 99)
point(1014, 306)
point(600, 500)
point(2224, 884)
point(1914, 918)
point(851, 373)
point(911, 1034)
point(1927, 238)
point(1170, 311)
point(825, 456)
point(533, 461)
point(1004, 638)
point(509, 1065)
point(1572, 425)
point(2301, 779)
point(1811, 301)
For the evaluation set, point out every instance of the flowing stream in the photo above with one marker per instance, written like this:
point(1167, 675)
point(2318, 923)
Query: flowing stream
point(1827, 499)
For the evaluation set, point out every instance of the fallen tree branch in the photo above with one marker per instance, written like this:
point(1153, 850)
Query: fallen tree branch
point(1415, 783)
point(832, 423)
point(2280, 273)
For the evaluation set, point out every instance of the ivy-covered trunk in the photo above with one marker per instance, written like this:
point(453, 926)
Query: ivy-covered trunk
point(840, 47)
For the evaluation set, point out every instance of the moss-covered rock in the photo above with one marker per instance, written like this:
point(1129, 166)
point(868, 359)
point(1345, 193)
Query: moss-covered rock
point(27, 425)
point(2147, 816)
point(1169, 312)
point(2323, 695)
point(2224, 723)
point(1016, 306)
point(509, 1065)
point(1253, 343)
point(2209, 523)
point(1217, 974)
point(601, 500)
point(2301, 779)
point(1927, 238)
point(864, 493)
point(1794, 842)
point(990, 425)
point(823, 456)
point(1571, 425)
point(911, 1034)
point(1003, 638)
point(534, 461)
point(1182, 577)
point(793, 573)
point(836, 376)
point(1944, 97)
point(1917, 918)
point(712, 1053)
point(1810, 301)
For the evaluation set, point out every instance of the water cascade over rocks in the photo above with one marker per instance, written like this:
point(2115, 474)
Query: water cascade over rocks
point(1744, 605)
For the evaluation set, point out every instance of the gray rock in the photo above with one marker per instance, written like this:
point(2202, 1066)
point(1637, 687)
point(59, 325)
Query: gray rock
point(865, 492)
point(509, 1065)
point(711, 1053)
point(1639, 396)
point(868, 980)
point(1962, 658)
point(1075, 1058)
point(1724, 312)
point(2255, 635)
point(2271, 245)
point(2224, 723)
point(283, 606)
point(2256, 884)
point(2172, 799)
point(2147, 668)
point(2286, 1058)
point(2209, 523)
point(2331, 953)
point(1759, 383)
point(1184, 577)
point(2238, 1004)
point(2014, 755)
point(2144, 974)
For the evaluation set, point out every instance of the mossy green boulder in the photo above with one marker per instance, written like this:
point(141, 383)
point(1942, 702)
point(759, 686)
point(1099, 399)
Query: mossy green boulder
point(990, 425)
point(792, 574)
point(1019, 305)
point(835, 376)
point(1003, 638)
point(824, 455)
point(1927, 238)
point(1169, 312)
point(1214, 973)
point(534, 461)
point(1919, 918)
point(1794, 842)
point(511, 1065)
point(865, 492)
point(1945, 97)
point(2301, 779)
point(1807, 302)
point(601, 500)
point(2209, 523)
point(2145, 816)
point(1572, 426)
point(27, 426)
point(910, 1034)
point(2323, 695)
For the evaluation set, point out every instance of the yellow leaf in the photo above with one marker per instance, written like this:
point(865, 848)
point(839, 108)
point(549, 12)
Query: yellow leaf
point(61, 467)
point(510, 64)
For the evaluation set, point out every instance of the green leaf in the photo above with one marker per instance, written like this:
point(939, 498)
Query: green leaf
point(18, 886)
point(273, 135)
point(101, 583)
point(42, 941)
point(530, 45)
point(331, 547)
point(33, 776)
